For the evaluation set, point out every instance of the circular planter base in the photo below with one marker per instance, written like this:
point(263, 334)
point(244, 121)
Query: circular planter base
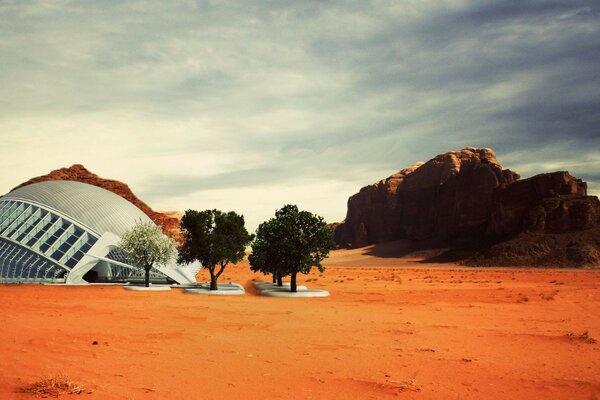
point(298, 294)
point(148, 289)
point(224, 289)
point(270, 285)
point(219, 292)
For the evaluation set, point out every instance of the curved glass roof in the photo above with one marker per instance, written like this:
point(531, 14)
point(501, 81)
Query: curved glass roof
point(97, 208)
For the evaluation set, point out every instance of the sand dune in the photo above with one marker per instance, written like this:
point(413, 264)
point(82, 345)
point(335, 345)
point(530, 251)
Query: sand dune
point(407, 330)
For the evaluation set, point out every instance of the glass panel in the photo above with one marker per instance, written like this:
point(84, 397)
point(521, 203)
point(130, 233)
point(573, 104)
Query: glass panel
point(17, 263)
point(64, 247)
point(50, 241)
point(86, 246)
point(57, 255)
point(14, 227)
point(59, 232)
point(18, 269)
point(42, 229)
point(71, 262)
point(77, 256)
point(11, 215)
point(24, 233)
point(31, 273)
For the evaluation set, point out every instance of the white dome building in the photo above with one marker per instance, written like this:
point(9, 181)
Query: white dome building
point(68, 232)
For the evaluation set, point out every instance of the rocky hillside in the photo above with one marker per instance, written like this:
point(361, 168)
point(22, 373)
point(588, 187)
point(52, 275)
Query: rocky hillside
point(77, 172)
point(448, 195)
point(467, 197)
point(569, 249)
point(549, 203)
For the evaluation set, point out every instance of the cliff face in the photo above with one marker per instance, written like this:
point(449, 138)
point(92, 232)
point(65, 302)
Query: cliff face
point(79, 173)
point(548, 203)
point(465, 200)
point(372, 212)
point(450, 195)
point(447, 196)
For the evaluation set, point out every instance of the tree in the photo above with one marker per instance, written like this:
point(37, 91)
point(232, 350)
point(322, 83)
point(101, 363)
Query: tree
point(214, 238)
point(293, 242)
point(268, 254)
point(148, 246)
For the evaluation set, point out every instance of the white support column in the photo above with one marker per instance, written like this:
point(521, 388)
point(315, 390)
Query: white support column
point(101, 248)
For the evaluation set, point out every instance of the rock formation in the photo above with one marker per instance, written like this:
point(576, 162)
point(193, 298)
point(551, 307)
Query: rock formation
point(79, 173)
point(465, 200)
point(550, 203)
point(447, 196)
point(572, 249)
point(450, 195)
point(374, 207)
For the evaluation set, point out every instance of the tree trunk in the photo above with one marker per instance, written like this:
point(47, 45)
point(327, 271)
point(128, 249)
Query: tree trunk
point(293, 286)
point(213, 279)
point(147, 274)
point(274, 278)
point(279, 280)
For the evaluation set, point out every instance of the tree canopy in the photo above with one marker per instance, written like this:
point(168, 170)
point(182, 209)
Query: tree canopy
point(293, 242)
point(213, 238)
point(148, 246)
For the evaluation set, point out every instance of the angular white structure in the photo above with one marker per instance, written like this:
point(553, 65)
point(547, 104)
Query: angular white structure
point(68, 232)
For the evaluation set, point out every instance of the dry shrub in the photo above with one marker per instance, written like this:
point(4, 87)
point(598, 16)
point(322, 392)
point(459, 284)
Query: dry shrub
point(54, 386)
point(583, 337)
point(410, 385)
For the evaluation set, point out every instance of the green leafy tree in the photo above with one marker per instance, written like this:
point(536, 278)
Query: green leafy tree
point(148, 246)
point(293, 242)
point(215, 239)
point(268, 250)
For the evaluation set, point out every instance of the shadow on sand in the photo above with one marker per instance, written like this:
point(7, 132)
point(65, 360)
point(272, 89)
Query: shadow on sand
point(420, 251)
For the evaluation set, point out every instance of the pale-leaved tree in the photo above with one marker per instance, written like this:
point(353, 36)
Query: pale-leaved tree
point(147, 246)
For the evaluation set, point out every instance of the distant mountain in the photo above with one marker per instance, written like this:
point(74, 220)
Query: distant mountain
point(169, 221)
point(467, 201)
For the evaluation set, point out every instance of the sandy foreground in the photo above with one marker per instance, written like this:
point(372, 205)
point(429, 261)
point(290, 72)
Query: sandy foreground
point(393, 328)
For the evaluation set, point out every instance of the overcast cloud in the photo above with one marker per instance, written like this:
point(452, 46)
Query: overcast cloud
point(249, 105)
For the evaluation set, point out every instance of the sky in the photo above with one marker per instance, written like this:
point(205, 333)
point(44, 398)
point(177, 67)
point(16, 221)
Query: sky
point(250, 105)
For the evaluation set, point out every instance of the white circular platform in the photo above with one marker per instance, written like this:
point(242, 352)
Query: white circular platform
point(219, 292)
point(298, 294)
point(270, 285)
point(152, 288)
point(224, 289)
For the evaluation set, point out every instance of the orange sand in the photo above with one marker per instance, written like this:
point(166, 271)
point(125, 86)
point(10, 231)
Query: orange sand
point(403, 330)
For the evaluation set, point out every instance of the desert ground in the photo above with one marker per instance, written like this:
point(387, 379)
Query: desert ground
point(392, 328)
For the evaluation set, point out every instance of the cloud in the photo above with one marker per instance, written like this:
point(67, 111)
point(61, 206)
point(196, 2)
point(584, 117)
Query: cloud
point(189, 98)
